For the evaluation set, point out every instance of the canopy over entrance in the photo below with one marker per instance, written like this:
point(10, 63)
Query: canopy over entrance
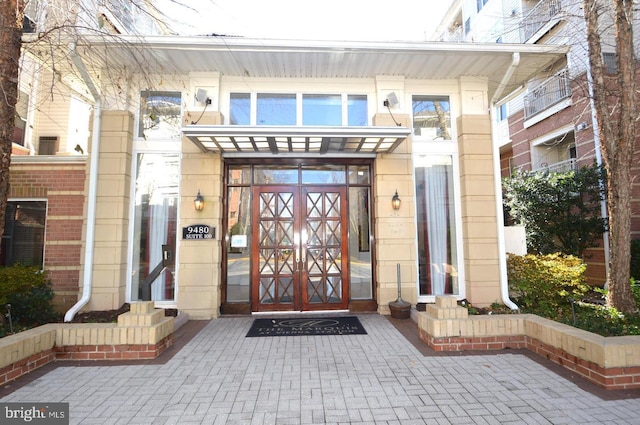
point(229, 140)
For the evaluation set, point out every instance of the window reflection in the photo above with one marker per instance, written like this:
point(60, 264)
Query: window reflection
point(238, 242)
point(436, 226)
point(276, 109)
point(359, 174)
point(357, 110)
point(275, 175)
point(23, 238)
point(284, 109)
point(155, 226)
point(240, 109)
point(432, 117)
point(160, 114)
point(321, 109)
point(327, 174)
point(360, 243)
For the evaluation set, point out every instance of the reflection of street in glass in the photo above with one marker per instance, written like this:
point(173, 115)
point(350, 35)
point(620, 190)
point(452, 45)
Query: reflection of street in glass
point(238, 278)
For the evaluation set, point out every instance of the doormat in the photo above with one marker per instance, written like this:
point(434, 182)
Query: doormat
point(349, 325)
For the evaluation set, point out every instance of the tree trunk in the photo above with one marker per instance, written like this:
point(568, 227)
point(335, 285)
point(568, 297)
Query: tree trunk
point(615, 105)
point(11, 14)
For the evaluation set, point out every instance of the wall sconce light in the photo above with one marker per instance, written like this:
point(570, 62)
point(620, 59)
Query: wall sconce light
point(395, 201)
point(198, 203)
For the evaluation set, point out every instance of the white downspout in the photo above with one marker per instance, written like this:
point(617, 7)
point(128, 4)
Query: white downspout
point(502, 254)
point(93, 185)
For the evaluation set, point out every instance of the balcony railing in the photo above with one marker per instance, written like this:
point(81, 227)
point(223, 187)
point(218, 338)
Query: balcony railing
point(560, 167)
point(542, 13)
point(547, 94)
point(453, 35)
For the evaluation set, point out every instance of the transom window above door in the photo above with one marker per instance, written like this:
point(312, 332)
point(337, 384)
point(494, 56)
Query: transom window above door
point(431, 117)
point(298, 109)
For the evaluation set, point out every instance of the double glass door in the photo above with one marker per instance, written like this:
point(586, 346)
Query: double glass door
point(300, 248)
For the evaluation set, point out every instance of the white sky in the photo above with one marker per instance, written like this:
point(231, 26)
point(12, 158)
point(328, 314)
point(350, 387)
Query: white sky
point(352, 20)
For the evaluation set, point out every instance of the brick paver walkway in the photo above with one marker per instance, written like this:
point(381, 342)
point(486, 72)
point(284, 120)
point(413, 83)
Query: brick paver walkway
point(221, 377)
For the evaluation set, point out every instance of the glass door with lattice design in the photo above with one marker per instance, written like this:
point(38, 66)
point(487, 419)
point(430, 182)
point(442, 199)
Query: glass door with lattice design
point(323, 248)
point(299, 246)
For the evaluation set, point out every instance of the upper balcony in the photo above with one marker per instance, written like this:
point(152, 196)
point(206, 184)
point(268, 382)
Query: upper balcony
point(570, 164)
point(549, 93)
point(453, 35)
point(541, 14)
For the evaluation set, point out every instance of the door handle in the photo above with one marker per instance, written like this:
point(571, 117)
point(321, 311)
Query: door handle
point(303, 249)
point(296, 246)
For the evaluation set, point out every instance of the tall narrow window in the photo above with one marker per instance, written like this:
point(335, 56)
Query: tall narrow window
point(360, 234)
point(240, 109)
point(160, 114)
point(435, 204)
point(23, 239)
point(502, 112)
point(480, 4)
point(357, 110)
point(156, 208)
point(239, 231)
point(432, 117)
point(610, 62)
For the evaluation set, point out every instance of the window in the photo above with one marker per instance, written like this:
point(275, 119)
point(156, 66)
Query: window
point(134, 17)
point(435, 210)
point(240, 109)
point(610, 63)
point(432, 117)
point(480, 4)
point(357, 110)
point(502, 112)
point(285, 109)
point(276, 109)
point(155, 226)
point(321, 109)
point(24, 229)
point(160, 114)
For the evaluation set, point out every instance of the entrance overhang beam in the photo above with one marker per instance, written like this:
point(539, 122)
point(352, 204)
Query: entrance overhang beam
point(277, 140)
point(298, 156)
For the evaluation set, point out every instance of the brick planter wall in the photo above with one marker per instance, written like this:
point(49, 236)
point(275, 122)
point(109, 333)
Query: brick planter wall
point(113, 352)
point(612, 363)
point(142, 333)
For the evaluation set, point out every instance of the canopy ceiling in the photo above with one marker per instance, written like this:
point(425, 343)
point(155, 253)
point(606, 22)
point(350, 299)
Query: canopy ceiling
point(506, 67)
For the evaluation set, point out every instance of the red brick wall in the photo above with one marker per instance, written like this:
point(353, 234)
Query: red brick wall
point(579, 112)
point(62, 184)
point(505, 169)
point(610, 378)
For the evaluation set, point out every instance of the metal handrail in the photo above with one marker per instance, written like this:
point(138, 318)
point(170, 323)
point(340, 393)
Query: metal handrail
point(547, 94)
point(542, 13)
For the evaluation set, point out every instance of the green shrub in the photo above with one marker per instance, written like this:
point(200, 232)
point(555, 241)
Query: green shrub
point(603, 320)
point(545, 284)
point(560, 211)
point(28, 291)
